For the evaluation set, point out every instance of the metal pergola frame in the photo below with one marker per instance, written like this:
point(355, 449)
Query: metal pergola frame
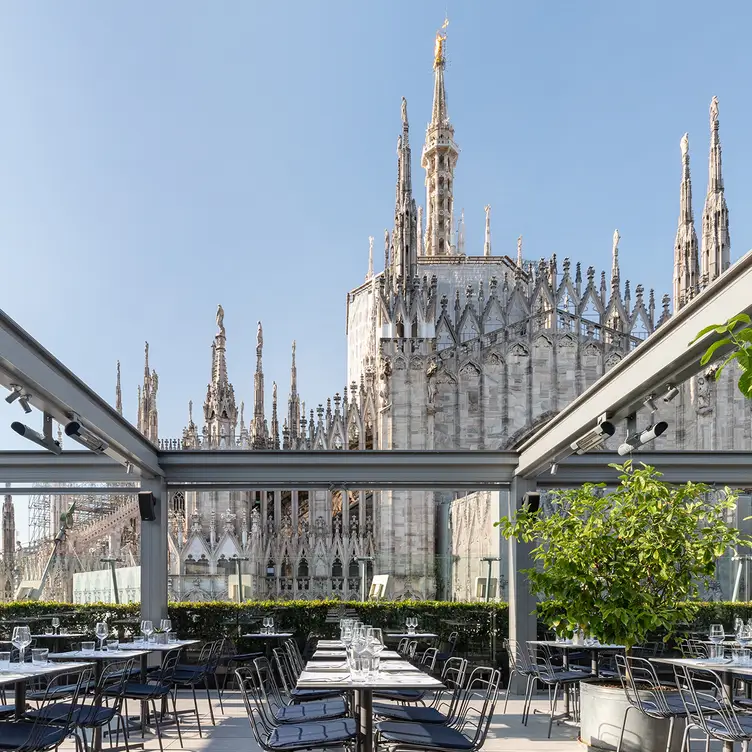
point(665, 358)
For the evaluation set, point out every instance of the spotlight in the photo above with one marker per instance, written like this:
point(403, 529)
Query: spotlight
point(46, 442)
point(595, 437)
point(554, 468)
point(671, 393)
point(20, 394)
point(650, 404)
point(85, 437)
point(645, 437)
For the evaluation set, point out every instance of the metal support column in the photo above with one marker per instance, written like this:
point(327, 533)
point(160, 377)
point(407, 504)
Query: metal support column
point(154, 555)
point(522, 603)
point(363, 564)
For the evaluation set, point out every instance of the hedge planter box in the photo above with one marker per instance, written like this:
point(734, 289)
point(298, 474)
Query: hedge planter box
point(602, 707)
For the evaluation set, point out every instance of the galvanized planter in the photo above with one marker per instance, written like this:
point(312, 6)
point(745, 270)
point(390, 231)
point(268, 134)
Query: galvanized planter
point(602, 707)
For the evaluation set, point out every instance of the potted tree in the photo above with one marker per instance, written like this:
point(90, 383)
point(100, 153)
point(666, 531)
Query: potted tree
point(622, 565)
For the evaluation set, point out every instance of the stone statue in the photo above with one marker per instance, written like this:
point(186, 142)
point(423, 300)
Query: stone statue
point(685, 145)
point(221, 319)
point(714, 110)
point(615, 246)
point(404, 111)
point(259, 340)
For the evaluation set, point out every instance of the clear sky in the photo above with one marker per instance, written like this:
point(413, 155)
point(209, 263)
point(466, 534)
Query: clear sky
point(157, 159)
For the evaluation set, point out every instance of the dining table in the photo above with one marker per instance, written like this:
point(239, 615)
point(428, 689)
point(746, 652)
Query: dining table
point(395, 675)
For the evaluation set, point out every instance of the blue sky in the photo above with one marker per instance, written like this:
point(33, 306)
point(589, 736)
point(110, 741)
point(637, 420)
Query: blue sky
point(157, 159)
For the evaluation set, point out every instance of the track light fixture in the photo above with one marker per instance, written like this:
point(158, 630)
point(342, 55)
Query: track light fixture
point(554, 468)
point(20, 394)
point(641, 438)
point(671, 393)
point(43, 440)
point(85, 437)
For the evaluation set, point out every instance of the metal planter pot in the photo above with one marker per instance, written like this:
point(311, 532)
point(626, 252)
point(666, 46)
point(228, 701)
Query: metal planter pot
point(602, 707)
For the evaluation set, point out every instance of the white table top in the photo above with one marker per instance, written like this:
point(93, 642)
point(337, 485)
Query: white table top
point(709, 664)
point(72, 635)
point(415, 635)
point(98, 655)
point(314, 679)
point(339, 666)
point(157, 646)
point(23, 671)
point(272, 636)
point(572, 646)
point(386, 655)
point(330, 645)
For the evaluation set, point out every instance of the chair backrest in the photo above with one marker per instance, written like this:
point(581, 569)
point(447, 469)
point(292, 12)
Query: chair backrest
point(296, 657)
point(270, 691)
point(39, 737)
point(115, 675)
point(642, 686)
point(412, 646)
point(168, 666)
point(471, 717)
point(519, 659)
point(428, 659)
point(705, 698)
point(402, 645)
point(541, 661)
point(453, 677)
point(284, 670)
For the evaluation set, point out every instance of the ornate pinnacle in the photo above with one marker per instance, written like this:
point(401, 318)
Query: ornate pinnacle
point(118, 392)
point(519, 252)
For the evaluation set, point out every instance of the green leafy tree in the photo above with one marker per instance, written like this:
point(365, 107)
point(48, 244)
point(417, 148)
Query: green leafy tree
point(741, 343)
point(627, 563)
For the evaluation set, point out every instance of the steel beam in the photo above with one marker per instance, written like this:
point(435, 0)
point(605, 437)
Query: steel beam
point(430, 470)
point(68, 467)
point(57, 391)
point(664, 358)
point(732, 469)
point(71, 491)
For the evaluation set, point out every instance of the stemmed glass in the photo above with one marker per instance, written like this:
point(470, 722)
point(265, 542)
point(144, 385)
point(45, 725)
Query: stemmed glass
point(21, 638)
point(165, 625)
point(101, 632)
point(56, 624)
point(147, 628)
point(717, 636)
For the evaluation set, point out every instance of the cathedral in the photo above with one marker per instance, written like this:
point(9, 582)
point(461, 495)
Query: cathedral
point(446, 349)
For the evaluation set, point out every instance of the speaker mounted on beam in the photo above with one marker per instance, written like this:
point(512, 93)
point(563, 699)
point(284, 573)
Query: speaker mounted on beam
point(146, 506)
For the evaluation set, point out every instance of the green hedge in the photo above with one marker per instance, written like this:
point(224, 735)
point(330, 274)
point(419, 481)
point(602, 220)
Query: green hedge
point(210, 620)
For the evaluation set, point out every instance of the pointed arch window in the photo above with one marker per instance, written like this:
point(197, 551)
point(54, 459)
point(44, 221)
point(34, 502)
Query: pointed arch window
point(303, 568)
point(337, 567)
point(354, 570)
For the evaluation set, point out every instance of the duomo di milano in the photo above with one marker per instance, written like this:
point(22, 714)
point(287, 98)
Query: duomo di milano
point(446, 350)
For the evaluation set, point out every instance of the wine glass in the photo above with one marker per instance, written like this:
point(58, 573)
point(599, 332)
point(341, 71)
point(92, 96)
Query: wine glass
point(271, 625)
point(56, 624)
point(21, 638)
point(265, 629)
point(717, 636)
point(744, 635)
point(738, 624)
point(165, 625)
point(101, 631)
point(377, 640)
point(147, 628)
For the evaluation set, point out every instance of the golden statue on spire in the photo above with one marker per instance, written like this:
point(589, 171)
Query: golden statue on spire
point(438, 50)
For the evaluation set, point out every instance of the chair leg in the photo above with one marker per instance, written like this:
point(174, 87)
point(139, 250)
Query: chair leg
point(121, 720)
point(195, 705)
point(671, 722)
point(528, 699)
point(553, 710)
point(209, 700)
point(512, 674)
point(156, 724)
point(623, 726)
point(175, 713)
point(219, 694)
point(685, 738)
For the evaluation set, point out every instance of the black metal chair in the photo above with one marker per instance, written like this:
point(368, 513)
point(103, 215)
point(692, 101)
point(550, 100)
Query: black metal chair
point(94, 714)
point(232, 659)
point(444, 705)
point(284, 710)
point(158, 687)
point(428, 662)
point(38, 734)
point(647, 695)
point(552, 677)
point(289, 677)
point(519, 665)
point(467, 730)
point(290, 737)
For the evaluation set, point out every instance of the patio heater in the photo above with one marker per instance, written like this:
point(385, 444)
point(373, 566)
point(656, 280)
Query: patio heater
point(237, 559)
point(363, 566)
point(112, 560)
point(491, 560)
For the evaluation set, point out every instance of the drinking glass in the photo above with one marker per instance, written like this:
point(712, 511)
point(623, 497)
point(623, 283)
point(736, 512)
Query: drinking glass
point(172, 637)
point(56, 623)
point(271, 625)
point(39, 656)
point(717, 634)
point(147, 628)
point(21, 639)
point(165, 625)
point(87, 647)
point(101, 631)
point(744, 635)
point(113, 645)
point(4, 661)
point(49, 630)
point(738, 624)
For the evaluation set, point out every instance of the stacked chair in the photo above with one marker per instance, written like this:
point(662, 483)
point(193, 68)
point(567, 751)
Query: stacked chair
point(274, 730)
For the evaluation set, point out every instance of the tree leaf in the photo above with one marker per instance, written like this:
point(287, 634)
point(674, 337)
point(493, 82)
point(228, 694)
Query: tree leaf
point(718, 328)
point(709, 352)
point(740, 318)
